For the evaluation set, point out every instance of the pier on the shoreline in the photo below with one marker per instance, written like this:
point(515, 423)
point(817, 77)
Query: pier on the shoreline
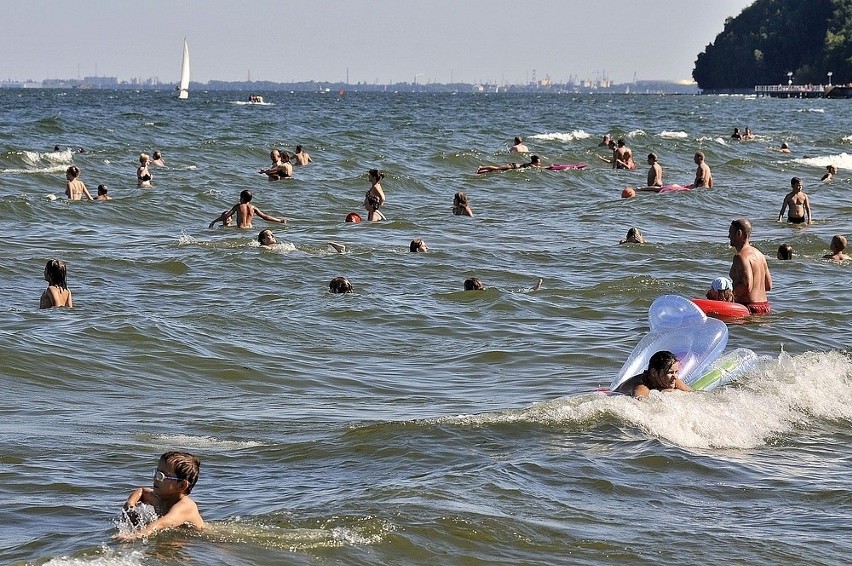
point(803, 91)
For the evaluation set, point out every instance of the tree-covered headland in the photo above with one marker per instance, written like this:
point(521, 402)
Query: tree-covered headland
point(771, 38)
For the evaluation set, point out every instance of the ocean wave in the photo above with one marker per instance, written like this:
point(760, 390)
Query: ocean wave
point(556, 136)
point(278, 531)
point(772, 401)
point(108, 557)
point(841, 161)
point(206, 442)
point(673, 135)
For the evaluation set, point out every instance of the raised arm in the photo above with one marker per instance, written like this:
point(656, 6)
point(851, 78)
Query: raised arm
point(267, 217)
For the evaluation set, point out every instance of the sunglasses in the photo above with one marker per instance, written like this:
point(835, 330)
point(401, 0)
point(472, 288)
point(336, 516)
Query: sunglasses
point(160, 476)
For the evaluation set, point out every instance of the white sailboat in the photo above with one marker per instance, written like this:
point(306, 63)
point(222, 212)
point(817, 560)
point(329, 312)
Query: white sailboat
point(184, 73)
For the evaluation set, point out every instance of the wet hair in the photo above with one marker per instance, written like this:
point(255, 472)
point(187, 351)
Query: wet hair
point(620, 143)
point(518, 140)
point(157, 155)
point(652, 157)
point(246, 196)
point(415, 245)
point(634, 236)
point(699, 155)
point(535, 160)
point(744, 225)
point(298, 149)
point(56, 273)
point(186, 466)
point(376, 174)
point(285, 156)
point(262, 233)
point(795, 181)
point(57, 148)
point(831, 169)
point(102, 189)
point(144, 158)
point(661, 362)
point(784, 145)
point(460, 199)
point(838, 243)
point(340, 285)
point(785, 251)
point(73, 170)
point(473, 284)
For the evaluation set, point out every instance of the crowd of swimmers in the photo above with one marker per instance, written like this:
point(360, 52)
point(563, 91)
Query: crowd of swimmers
point(749, 282)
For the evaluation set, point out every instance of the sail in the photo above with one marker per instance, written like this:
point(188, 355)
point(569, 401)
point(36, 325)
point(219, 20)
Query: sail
point(184, 73)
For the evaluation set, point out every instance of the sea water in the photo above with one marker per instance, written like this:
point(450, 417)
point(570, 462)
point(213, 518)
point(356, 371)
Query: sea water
point(412, 422)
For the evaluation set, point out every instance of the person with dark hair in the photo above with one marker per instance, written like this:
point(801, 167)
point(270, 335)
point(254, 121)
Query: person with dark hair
point(57, 293)
point(375, 189)
point(245, 212)
point(634, 236)
point(157, 159)
point(622, 157)
point(785, 251)
point(174, 478)
point(102, 193)
point(535, 162)
point(266, 238)
point(340, 285)
point(75, 189)
point(461, 206)
point(661, 375)
point(655, 173)
point(800, 205)
point(519, 146)
point(301, 156)
point(703, 175)
point(418, 245)
point(473, 284)
point(749, 270)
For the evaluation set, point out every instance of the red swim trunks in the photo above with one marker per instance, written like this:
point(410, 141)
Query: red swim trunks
point(759, 308)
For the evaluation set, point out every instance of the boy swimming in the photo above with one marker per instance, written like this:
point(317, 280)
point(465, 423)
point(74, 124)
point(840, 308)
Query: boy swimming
point(174, 479)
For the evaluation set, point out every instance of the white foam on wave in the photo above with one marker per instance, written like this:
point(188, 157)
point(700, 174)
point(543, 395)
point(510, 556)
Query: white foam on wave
point(557, 136)
point(770, 402)
point(841, 161)
point(362, 531)
point(847, 138)
point(48, 169)
point(673, 135)
point(108, 557)
point(190, 441)
point(816, 110)
point(636, 134)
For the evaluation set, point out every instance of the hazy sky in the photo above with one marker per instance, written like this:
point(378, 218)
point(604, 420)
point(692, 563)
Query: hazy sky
point(380, 41)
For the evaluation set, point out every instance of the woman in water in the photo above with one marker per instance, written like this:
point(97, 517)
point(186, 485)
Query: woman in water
point(57, 293)
point(661, 375)
point(74, 187)
point(143, 176)
point(376, 191)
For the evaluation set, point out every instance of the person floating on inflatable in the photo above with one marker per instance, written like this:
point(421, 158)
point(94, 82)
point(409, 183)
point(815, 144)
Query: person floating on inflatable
point(661, 375)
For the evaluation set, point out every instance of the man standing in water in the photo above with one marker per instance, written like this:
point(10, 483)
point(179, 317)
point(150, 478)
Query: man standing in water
point(749, 270)
point(703, 176)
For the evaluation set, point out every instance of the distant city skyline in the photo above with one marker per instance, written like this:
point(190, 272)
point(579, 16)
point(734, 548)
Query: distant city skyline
point(372, 42)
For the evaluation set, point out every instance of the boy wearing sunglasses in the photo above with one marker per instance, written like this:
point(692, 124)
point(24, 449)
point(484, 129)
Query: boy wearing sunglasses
point(174, 479)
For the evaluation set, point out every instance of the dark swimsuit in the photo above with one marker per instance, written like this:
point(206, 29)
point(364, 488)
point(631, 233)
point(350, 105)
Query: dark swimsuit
point(796, 219)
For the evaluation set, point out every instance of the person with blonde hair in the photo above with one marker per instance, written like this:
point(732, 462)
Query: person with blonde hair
point(143, 176)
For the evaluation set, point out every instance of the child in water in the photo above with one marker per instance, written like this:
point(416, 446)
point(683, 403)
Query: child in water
point(838, 245)
point(174, 479)
point(785, 252)
point(721, 289)
point(57, 293)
